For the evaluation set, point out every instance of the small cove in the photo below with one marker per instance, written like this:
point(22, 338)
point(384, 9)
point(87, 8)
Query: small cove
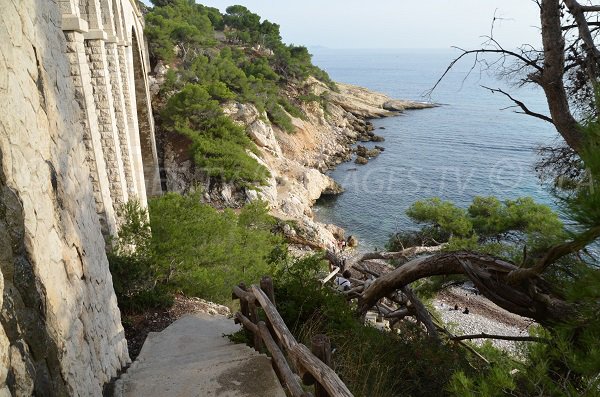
point(465, 148)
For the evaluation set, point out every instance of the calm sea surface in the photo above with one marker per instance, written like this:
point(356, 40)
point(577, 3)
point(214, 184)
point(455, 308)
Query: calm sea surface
point(465, 148)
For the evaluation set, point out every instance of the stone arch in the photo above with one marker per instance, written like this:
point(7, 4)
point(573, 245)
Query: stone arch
point(90, 12)
point(149, 158)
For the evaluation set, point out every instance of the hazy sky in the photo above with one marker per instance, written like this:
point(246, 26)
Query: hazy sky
point(396, 23)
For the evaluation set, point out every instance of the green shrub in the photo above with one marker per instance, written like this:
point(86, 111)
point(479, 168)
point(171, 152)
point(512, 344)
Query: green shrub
point(218, 144)
point(193, 249)
point(134, 274)
point(178, 22)
point(279, 117)
point(203, 252)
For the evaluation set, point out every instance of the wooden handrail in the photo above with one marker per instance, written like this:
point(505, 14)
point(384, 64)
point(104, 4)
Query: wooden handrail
point(239, 293)
point(277, 338)
point(281, 330)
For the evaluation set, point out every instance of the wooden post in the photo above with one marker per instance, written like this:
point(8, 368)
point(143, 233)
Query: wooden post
point(266, 284)
point(246, 313)
point(254, 318)
point(321, 347)
point(279, 363)
point(300, 354)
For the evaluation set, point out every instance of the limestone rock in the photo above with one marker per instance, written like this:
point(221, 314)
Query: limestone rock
point(401, 105)
point(333, 189)
point(337, 231)
point(352, 241)
point(361, 160)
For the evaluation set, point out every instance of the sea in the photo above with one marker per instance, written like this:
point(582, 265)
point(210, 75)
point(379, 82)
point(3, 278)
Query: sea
point(473, 144)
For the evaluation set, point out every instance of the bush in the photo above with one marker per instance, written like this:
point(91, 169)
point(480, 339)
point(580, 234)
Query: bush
point(134, 273)
point(218, 144)
point(193, 249)
point(203, 252)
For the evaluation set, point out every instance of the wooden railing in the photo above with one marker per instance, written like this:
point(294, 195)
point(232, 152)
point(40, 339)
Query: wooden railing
point(311, 366)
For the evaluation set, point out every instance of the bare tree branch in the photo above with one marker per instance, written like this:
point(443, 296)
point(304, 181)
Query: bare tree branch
point(589, 8)
point(526, 61)
point(520, 104)
point(421, 312)
point(483, 335)
point(555, 253)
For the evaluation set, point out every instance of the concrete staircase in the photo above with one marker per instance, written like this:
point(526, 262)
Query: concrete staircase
point(192, 358)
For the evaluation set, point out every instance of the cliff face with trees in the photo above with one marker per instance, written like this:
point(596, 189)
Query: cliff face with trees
point(518, 254)
point(244, 116)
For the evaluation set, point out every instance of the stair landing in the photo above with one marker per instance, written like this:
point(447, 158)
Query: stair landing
point(191, 357)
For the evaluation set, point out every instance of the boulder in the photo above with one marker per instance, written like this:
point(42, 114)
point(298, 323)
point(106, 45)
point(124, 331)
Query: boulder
point(380, 148)
point(334, 188)
point(352, 241)
point(361, 150)
point(373, 153)
point(161, 69)
point(361, 160)
point(262, 134)
point(377, 138)
point(397, 105)
point(288, 231)
point(337, 231)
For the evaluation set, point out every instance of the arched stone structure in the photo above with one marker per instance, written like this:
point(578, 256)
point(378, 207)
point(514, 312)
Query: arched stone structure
point(109, 66)
point(145, 120)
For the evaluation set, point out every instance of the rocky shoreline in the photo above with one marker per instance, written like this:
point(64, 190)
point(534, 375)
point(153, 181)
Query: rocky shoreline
point(324, 140)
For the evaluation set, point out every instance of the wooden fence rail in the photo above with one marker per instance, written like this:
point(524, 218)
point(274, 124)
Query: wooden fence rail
point(311, 366)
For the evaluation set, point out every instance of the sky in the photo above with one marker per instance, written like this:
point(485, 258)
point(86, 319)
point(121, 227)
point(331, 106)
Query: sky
point(397, 23)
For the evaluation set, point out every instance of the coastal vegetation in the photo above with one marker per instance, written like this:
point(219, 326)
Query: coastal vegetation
point(519, 254)
point(488, 225)
point(528, 264)
point(192, 249)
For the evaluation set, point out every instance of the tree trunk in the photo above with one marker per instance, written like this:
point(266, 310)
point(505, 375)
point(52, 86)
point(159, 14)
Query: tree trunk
point(532, 298)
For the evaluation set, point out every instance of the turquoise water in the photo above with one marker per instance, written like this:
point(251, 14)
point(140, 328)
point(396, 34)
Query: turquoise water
point(465, 148)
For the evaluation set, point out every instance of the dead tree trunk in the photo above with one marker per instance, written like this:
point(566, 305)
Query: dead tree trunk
point(533, 297)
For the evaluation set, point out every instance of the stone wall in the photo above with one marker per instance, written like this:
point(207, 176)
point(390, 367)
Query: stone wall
point(70, 153)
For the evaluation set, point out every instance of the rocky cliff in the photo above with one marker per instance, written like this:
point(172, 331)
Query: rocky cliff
point(296, 161)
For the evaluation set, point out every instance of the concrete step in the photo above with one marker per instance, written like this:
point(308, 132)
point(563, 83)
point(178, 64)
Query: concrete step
point(192, 358)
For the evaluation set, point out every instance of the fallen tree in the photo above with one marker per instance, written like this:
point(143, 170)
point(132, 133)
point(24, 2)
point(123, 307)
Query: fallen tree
point(532, 297)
